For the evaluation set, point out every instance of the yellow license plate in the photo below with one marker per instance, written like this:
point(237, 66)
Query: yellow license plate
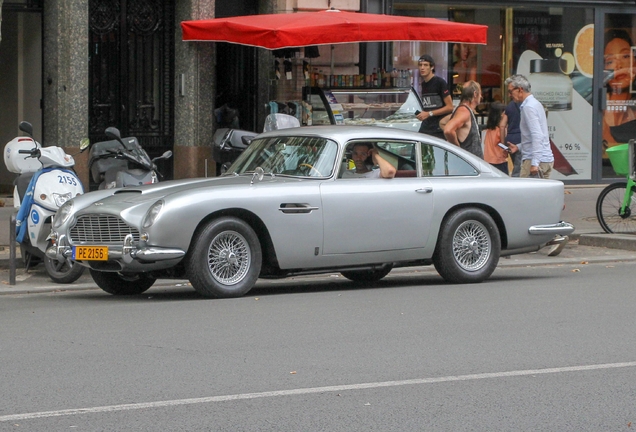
point(90, 253)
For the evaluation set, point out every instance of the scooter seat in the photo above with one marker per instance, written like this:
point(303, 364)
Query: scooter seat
point(22, 183)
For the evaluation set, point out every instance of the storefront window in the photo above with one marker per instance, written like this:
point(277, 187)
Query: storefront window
point(554, 47)
point(619, 116)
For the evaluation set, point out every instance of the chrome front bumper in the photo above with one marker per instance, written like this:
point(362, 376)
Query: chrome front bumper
point(127, 252)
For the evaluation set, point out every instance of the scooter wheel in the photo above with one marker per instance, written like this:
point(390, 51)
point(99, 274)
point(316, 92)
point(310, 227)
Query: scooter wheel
point(62, 272)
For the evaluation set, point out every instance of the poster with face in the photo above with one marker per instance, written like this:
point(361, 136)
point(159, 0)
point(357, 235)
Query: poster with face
point(619, 117)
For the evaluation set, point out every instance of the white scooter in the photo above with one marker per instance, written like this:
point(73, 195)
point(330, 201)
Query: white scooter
point(46, 181)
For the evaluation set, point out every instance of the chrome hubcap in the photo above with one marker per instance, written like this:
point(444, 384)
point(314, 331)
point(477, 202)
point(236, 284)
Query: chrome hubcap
point(229, 258)
point(472, 245)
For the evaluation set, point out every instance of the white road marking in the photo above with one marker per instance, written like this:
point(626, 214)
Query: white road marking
point(304, 391)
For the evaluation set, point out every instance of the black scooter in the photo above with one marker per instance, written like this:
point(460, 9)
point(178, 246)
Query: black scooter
point(122, 162)
point(230, 143)
point(228, 146)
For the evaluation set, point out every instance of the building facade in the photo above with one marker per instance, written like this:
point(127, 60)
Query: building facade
point(73, 68)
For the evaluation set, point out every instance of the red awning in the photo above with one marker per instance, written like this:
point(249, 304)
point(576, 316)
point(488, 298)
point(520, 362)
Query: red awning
point(276, 31)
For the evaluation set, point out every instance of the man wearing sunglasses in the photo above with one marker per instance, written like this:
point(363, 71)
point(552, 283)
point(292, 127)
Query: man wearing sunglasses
point(537, 159)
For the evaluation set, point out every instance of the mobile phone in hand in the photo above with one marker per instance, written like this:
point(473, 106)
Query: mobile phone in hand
point(417, 112)
point(503, 146)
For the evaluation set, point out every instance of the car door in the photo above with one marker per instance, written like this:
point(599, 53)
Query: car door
point(375, 214)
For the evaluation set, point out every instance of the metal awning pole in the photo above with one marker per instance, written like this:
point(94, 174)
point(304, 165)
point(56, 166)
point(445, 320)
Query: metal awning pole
point(332, 64)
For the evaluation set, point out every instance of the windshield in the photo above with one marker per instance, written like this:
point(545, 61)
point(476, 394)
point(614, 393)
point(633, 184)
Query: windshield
point(289, 155)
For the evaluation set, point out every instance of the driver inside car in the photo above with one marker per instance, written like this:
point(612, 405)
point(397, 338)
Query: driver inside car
point(368, 163)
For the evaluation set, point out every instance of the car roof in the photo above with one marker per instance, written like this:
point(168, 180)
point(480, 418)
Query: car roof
point(343, 134)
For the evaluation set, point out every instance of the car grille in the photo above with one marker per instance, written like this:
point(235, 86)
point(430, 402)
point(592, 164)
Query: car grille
point(101, 229)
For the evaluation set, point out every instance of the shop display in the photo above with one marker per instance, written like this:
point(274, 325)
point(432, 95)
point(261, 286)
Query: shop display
point(378, 79)
point(391, 107)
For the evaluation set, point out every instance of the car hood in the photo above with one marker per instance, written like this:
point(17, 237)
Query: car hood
point(165, 189)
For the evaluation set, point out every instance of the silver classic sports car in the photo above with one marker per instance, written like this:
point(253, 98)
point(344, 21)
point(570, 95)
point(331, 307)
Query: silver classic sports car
point(305, 200)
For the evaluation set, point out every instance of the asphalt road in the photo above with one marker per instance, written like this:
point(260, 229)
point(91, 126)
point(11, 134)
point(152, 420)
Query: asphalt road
point(534, 348)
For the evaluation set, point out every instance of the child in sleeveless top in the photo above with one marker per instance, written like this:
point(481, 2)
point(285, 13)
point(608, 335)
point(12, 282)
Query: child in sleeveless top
point(493, 154)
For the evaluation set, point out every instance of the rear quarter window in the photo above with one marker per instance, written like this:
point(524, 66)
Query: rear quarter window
point(438, 162)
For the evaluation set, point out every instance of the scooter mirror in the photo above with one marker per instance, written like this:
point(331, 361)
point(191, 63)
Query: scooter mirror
point(84, 144)
point(26, 127)
point(166, 155)
point(113, 133)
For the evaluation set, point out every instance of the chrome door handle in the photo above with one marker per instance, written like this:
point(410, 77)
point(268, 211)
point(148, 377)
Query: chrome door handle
point(295, 208)
point(424, 190)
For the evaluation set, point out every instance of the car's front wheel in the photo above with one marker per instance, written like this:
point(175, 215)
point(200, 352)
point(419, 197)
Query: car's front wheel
point(120, 284)
point(468, 247)
point(225, 259)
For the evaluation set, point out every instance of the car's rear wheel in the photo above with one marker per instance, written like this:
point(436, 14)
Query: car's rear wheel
point(367, 275)
point(225, 259)
point(468, 247)
point(120, 284)
point(65, 272)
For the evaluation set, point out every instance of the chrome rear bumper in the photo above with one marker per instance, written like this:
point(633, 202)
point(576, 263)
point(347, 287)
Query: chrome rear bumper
point(561, 228)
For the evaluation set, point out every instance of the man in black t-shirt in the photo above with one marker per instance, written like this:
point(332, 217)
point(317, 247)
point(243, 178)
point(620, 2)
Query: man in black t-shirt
point(436, 98)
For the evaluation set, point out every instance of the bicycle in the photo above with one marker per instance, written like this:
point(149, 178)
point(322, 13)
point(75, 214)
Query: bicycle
point(615, 207)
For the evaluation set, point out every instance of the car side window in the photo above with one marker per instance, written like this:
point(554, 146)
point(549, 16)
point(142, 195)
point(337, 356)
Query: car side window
point(401, 154)
point(438, 162)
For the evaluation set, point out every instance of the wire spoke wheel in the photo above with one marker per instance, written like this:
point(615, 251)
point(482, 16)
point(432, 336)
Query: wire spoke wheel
point(608, 210)
point(471, 245)
point(468, 246)
point(229, 257)
point(224, 259)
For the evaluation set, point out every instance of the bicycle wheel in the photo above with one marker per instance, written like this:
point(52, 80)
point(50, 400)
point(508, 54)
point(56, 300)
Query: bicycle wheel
point(608, 206)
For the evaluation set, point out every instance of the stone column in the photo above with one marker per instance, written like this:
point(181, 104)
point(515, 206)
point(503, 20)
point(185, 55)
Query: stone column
point(1, 1)
point(65, 76)
point(194, 98)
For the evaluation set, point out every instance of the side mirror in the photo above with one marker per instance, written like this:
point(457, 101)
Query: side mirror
point(259, 173)
point(84, 144)
point(166, 155)
point(26, 127)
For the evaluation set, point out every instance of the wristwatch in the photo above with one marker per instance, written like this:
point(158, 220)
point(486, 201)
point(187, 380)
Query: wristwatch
point(430, 113)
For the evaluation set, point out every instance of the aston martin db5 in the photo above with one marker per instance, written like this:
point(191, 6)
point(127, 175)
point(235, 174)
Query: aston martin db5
point(295, 203)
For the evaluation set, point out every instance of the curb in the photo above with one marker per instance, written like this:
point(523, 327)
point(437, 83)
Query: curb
point(27, 288)
point(613, 241)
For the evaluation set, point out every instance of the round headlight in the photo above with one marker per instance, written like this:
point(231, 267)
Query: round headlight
point(152, 214)
point(62, 214)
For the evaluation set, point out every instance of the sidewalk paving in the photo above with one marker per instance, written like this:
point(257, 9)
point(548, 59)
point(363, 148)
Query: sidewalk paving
point(589, 244)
